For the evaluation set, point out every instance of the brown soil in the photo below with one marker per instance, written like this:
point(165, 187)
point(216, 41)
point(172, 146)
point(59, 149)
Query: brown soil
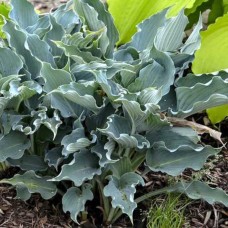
point(34, 213)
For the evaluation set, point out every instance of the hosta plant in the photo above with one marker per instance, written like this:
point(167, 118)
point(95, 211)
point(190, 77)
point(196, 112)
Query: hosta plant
point(83, 119)
point(211, 57)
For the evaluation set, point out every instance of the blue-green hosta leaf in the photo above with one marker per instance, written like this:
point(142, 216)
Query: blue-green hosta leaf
point(191, 79)
point(23, 13)
point(199, 97)
point(17, 39)
point(56, 32)
point(3, 103)
point(77, 68)
point(80, 41)
point(193, 41)
point(159, 74)
point(80, 94)
point(109, 87)
point(9, 67)
point(142, 120)
point(168, 101)
point(175, 163)
point(9, 119)
point(76, 54)
point(29, 46)
point(173, 138)
point(54, 157)
point(107, 19)
point(83, 167)
point(52, 123)
point(13, 145)
point(90, 17)
point(99, 120)
point(126, 53)
point(24, 90)
point(122, 192)
point(76, 141)
point(22, 193)
point(166, 40)
point(84, 72)
point(147, 31)
point(194, 190)
point(199, 190)
point(67, 18)
point(104, 152)
point(150, 96)
point(181, 62)
point(135, 112)
point(66, 107)
point(39, 49)
point(41, 27)
point(127, 77)
point(41, 118)
point(5, 81)
point(33, 183)
point(119, 129)
point(29, 162)
point(75, 199)
point(54, 77)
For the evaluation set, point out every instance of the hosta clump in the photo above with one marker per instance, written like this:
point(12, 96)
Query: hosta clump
point(79, 116)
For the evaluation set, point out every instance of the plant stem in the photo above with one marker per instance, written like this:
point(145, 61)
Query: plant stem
point(1, 167)
point(117, 215)
point(60, 192)
point(84, 215)
point(18, 103)
point(103, 198)
point(154, 193)
point(120, 151)
point(127, 152)
point(137, 160)
point(32, 144)
point(111, 215)
point(4, 166)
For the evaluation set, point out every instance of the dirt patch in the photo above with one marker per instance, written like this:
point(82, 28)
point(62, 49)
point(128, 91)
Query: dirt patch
point(47, 5)
point(34, 213)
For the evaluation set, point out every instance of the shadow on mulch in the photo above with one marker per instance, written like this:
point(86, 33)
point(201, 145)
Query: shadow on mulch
point(35, 213)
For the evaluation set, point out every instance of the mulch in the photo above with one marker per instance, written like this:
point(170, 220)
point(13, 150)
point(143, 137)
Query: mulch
point(38, 213)
point(35, 213)
point(201, 214)
point(46, 5)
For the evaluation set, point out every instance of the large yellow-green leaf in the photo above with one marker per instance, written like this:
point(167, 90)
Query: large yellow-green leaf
point(212, 56)
point(225, 5)
point(4, 12)
point(128, 13)
point(217, 114)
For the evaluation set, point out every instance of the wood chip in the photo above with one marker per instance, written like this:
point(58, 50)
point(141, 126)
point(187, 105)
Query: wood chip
point(207, 217)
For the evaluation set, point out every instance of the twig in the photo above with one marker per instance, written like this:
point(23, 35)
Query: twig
point(199, 128)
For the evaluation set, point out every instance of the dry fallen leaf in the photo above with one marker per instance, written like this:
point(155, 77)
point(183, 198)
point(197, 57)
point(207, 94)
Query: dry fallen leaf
point(199, 128)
